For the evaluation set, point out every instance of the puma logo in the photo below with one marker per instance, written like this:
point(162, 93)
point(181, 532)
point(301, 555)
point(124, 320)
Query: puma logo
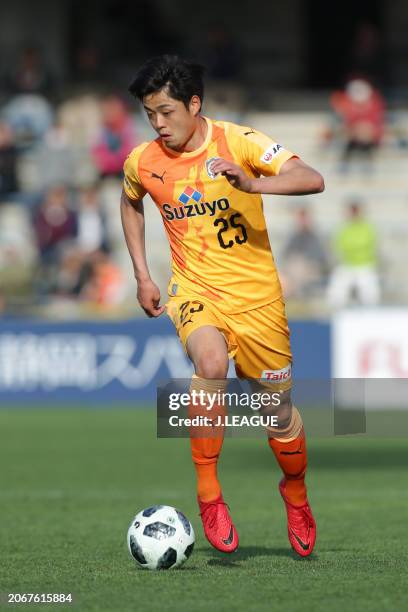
point(157, 176)
point(296, 452)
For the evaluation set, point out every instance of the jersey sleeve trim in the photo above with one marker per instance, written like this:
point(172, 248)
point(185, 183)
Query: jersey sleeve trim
point(132, 184)
point(129, 191)
point(283, 158)
point(261, 154)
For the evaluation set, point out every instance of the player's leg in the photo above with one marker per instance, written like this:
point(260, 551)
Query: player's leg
point(207, 349)
point(199, 328)
point(288, 443)
point(340, 285)
point(287, 440)
point(368, 286)
point(264, 354)
point(209, 353)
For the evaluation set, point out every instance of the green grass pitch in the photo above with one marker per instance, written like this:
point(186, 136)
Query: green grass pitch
point(71, 481)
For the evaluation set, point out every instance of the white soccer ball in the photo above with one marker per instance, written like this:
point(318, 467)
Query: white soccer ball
point(160, 537)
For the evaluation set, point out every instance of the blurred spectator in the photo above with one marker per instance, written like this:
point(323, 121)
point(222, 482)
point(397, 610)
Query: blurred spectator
point(304, 259)
point(106, 285)
point(29, 75)
point(356, 274)
point(30, 116)
point(71, 274)
point(17, 243)
point(55, 157)
point(361, 110)
point(116, 139)
point(8, 162)
point(54, 223)
point(91, 221)
point(18, 255)
point(81, 116)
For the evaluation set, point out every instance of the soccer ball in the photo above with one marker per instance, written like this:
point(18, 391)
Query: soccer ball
point(160, 537)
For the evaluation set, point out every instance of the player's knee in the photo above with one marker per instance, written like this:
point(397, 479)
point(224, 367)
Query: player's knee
point(284, 416)
point(281, 411)
point(284, 410)
point(211, 365)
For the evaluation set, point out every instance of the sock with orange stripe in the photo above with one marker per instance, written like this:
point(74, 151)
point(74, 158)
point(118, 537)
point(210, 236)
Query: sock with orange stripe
point(206, 442)
point(289, 448)
point(208, 485)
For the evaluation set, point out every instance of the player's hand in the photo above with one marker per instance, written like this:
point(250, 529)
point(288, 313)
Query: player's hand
point(233, 173)
point(148, 295)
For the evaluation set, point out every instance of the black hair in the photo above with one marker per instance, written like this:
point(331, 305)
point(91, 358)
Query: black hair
point(184, 80)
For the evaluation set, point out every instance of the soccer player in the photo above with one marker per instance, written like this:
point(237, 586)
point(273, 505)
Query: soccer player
point(225, 298)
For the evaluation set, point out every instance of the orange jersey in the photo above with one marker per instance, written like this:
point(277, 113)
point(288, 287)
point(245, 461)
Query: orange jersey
point(218, 238)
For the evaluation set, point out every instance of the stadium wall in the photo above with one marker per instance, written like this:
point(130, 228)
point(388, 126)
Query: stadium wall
point(105, 363)
point(95, 363)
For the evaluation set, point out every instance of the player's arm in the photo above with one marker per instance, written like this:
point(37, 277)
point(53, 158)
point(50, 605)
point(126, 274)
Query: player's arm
point(294, 178)
point(148, 293)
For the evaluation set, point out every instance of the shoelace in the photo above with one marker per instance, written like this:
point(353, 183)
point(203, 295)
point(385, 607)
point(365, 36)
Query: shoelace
point(207, 507)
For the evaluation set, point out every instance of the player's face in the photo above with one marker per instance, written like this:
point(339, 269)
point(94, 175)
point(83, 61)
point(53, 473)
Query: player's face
point(174, 123)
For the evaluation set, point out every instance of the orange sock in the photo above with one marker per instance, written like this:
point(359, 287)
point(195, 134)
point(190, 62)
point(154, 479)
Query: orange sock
point(206, 440)
point(208, 486)
point(292, 458)
point(205, 453)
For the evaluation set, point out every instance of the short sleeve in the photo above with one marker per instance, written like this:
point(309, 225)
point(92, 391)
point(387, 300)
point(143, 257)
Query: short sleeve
point(263, 155)
point(132, 184)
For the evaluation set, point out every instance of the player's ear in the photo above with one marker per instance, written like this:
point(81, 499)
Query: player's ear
point(195, 105)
